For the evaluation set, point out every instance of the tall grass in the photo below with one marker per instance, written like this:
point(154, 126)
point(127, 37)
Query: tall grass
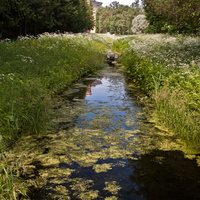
point(34, 69)
point(167, 69)
point(11, 186)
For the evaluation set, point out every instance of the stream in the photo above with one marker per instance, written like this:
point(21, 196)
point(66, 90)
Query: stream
point(101, 146)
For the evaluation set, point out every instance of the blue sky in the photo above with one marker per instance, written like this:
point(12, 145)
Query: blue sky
point(124, 2)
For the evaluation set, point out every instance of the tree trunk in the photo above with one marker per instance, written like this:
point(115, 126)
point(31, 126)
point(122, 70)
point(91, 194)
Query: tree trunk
point(20, 30)
point(99, 24)
point(25, 28)
point(35, 29)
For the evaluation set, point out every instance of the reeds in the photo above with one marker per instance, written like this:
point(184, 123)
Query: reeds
point(173, 112)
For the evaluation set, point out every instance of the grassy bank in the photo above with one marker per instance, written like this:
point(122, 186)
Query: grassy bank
point(167, 69)
point(32, 72)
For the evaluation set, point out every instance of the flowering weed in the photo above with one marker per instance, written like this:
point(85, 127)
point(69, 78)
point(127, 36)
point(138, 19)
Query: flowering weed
point(167, 69)
point(34, 69)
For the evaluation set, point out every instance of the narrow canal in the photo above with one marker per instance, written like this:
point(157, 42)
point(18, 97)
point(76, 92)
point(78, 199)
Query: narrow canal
point(100, 146)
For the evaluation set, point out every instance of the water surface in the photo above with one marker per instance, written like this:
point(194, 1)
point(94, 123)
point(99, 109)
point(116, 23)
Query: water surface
point(100, 146)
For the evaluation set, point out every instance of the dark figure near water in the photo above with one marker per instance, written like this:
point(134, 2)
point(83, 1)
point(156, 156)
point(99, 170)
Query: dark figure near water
point(111, 59)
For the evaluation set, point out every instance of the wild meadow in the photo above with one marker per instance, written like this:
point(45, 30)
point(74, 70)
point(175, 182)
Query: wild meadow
point(166, 68)
point(33, 70)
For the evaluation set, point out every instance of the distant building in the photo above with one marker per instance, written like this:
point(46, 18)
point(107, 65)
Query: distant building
point(95, 5)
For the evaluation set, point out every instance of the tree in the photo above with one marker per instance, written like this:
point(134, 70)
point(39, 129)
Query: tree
point(173, 16)
point(21, 17)
point(41, 16)
point(135, 4)
point(114, 5)
point(116, 18)
point(9, 16)
point(139, 24)
point(85, 20)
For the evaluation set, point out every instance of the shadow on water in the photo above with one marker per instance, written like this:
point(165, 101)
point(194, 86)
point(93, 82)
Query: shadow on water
point(165, 175)
point(158, 175)
point(101, 146)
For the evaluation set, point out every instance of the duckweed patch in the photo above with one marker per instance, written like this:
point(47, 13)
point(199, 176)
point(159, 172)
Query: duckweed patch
point(112, 187)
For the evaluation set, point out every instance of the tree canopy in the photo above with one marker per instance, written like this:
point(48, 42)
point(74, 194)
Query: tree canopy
point(173, 16)
point(116, 18)
point(21, 17)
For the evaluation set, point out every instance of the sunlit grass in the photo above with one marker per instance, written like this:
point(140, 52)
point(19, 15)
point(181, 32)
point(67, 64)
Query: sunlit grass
point(33, 71)
point(11, 185)
point(167, 69)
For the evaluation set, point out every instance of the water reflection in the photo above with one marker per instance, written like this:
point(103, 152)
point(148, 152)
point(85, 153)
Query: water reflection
point(93, 84)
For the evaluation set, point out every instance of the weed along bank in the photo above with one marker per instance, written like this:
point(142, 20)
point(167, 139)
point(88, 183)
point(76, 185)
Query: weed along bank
point(167, 69)
point(33, 72)
point(87, 130)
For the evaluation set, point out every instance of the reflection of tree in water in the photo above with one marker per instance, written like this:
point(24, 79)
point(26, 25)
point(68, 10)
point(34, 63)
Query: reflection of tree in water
point(166, 175)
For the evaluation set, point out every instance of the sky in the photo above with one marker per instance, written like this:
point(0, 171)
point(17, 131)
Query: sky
point(124, 2)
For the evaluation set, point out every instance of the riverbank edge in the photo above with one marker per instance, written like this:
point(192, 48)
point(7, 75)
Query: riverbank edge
point(159, 101)
point(12, 170)
point(152, 114)
point(166, 69)
point(142, 99)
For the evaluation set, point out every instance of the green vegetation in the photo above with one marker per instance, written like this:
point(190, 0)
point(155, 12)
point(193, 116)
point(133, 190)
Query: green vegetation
point(169, 16)
point(167, 69)
point(121, 44)
point(166, 16)
point(100, 137)
point(33, 71)
point(116, 18)
point(11, 185)
point(22, 17)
